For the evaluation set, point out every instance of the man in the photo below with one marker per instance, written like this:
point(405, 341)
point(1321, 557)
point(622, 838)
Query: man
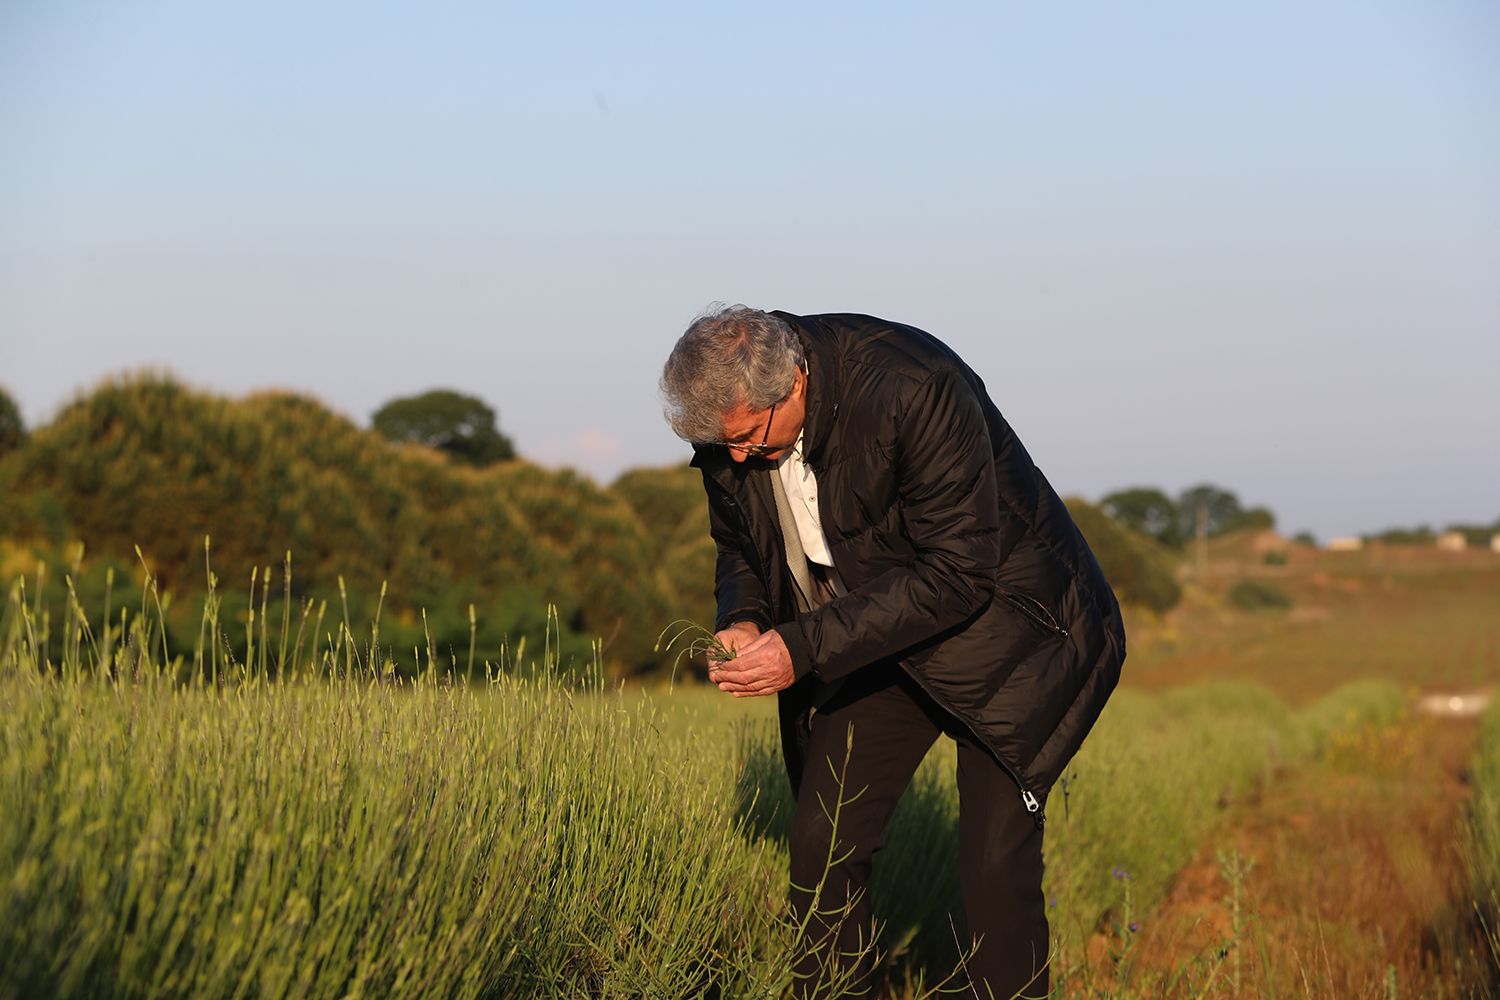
point(893, 566)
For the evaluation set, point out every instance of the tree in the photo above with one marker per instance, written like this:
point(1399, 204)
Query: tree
point(1253, 519)
point(463, 426)
point(1221, 507)
point(12, 427)
point(1147, 510)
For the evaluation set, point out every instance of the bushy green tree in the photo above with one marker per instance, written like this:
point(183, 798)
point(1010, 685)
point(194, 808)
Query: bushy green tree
point(12, 427)
point(1150, 511)
point(463, 426)
point(1251, 519)
point(1147, 510)
point(1221, 507)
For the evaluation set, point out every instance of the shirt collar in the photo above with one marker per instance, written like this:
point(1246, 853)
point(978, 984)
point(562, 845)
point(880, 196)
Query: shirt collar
point(795, 451)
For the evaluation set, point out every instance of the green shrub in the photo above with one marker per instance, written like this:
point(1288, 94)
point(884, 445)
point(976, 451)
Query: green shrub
point(1484, 823)
point(673, 510)
point(1253, 519)
point(145, 461)
point(1420, 535)
point(12, 427)
point(1139, 568)
point(1258, 595)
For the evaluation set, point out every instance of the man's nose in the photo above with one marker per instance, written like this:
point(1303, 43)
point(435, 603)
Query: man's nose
point(738, 454)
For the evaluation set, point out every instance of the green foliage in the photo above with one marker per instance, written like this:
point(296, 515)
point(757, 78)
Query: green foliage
point(1477, 536)
point(1146, 510)
point(1149, 511)
point(1483, 841)
point(463, 426)
point(673, 511)
point(33, 515)
point(1258, 595)
point(144, 461)
point(341, 836)
point(1138, 567)
point(1253, 519)
point(691, 639)
point(12, 427)
point(1220, 507)
point(339, 828)
point(1421, 535)
point(1351, 707)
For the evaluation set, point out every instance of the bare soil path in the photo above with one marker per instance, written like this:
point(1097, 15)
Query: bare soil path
point(1356, 887)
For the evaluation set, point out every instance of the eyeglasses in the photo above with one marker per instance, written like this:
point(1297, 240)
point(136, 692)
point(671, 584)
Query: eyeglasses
point(758, 449)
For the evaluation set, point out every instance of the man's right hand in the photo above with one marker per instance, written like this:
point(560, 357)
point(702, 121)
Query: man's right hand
point(736, 637)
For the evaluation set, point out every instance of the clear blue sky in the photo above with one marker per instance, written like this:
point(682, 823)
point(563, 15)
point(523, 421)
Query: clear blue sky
point(1251, 243)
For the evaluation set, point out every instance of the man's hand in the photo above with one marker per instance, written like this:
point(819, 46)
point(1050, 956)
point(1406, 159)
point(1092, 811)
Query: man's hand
point(763, 666)
point(737, 637)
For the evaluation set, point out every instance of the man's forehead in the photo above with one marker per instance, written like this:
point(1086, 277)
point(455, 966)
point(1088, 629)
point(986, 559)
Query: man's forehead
point(740, 421)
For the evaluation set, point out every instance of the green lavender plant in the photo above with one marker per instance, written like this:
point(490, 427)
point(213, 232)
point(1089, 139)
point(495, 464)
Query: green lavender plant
point(699, 641)
point(1234, 868)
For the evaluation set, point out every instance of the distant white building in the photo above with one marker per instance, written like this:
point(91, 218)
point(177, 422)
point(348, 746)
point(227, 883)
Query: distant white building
point(1348, 543)
point(1452, 541)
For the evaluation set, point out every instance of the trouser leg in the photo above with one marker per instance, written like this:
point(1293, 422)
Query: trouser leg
point(891, 734)
point(1000, 871)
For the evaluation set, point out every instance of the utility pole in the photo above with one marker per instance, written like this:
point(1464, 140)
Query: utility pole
point(1202, 540)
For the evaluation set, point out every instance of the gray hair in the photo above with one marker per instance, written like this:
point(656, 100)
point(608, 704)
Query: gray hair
point(729, 354)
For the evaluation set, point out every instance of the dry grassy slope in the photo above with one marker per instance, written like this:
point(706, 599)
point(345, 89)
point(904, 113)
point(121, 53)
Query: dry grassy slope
point(1420, 618)
point(1358, 877)
point(1359, 884)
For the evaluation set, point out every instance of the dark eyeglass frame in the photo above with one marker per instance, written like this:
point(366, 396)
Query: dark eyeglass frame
point(757, 449)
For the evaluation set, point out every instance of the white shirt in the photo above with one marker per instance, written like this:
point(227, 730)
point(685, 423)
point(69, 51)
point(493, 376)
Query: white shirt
point(802, 496)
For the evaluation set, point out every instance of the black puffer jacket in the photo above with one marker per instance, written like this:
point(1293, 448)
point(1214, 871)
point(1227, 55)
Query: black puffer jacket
point(961, 561)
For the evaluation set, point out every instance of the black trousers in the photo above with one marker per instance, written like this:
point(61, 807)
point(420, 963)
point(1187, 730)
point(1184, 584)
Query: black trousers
point(894, 722)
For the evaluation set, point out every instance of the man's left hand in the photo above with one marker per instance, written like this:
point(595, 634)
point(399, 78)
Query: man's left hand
point(763, 667)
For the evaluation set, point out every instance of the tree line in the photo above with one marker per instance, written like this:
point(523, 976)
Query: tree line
point(144, 461)
point(433, 505)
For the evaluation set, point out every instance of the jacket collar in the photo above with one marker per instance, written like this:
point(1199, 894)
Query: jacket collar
point(824, 386)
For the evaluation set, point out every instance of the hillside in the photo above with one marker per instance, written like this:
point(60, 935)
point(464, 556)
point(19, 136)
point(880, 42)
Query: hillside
point(145, 461)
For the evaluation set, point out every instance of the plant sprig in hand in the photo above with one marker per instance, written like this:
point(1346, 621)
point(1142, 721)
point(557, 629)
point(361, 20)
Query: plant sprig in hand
point(701, 641)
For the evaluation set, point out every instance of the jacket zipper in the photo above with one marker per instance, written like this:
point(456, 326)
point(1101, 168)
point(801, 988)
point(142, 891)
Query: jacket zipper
point(1028, 797)
point(1035, 610)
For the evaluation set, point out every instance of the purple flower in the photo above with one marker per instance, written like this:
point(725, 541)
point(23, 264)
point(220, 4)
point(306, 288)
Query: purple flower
point(1121, 875)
